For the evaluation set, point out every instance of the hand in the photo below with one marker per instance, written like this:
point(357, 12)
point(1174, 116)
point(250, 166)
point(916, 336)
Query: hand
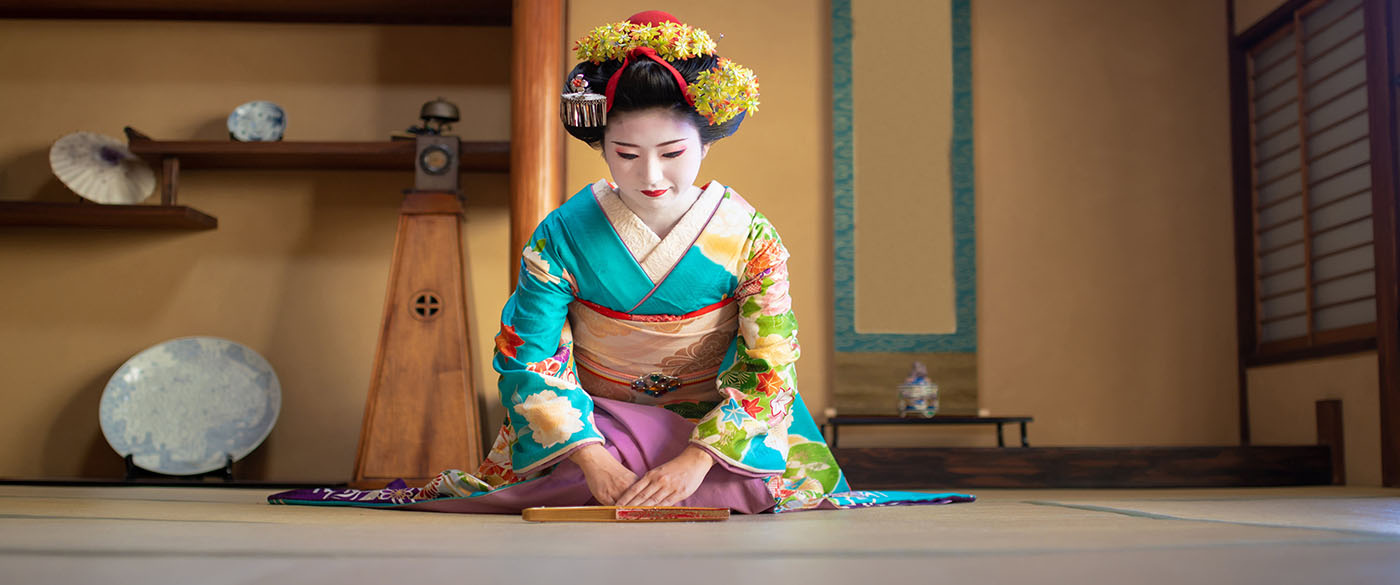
point(606, 476)
point(670, 482)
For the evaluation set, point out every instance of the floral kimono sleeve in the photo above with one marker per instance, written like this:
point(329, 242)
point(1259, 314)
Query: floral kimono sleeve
point(547, 411)
point(757, 383)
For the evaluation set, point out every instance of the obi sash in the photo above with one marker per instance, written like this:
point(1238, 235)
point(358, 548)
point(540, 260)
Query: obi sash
point(652, 359)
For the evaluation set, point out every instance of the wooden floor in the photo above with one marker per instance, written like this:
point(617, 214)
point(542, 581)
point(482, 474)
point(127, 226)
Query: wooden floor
point(216, 536)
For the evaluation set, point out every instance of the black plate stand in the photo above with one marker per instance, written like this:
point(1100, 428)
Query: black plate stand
point(136, 474)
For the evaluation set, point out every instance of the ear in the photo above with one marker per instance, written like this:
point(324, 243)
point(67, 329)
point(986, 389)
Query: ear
point(704, 150)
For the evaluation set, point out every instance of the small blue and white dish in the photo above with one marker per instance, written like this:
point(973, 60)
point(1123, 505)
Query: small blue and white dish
point(183, 406)
point(258, 121)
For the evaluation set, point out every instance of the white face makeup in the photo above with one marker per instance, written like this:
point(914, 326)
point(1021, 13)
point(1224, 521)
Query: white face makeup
point(654, 156)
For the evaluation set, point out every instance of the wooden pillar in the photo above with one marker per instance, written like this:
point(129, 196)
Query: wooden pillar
point(536, 136)
point(1243, 219)
point(1382, 61)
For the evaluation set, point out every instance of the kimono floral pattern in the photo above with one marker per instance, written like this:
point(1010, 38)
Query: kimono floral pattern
point(395, 494)
point(760, 376)
point(507, 342)
point(454, 483)
point(811, 474)
point(548, 413)
point(496, 469)
point(536, 265)
point(552, 418)
point(557, 370)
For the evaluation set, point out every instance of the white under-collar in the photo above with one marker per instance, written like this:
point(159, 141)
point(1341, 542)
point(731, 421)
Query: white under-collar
point(656, 255)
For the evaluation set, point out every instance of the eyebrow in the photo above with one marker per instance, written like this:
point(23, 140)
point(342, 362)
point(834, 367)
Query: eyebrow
point(635, 146)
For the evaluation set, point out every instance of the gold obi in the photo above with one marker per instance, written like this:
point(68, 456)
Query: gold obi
point(652, 359)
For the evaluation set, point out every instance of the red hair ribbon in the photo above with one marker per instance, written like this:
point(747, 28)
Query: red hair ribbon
point(650, 17)
point(649, 53)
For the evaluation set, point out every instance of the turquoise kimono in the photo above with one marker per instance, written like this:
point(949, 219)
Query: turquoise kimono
point(608, 318)
point(592, 255)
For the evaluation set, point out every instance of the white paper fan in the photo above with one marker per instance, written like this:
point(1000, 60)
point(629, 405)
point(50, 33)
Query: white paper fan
point(101, 168)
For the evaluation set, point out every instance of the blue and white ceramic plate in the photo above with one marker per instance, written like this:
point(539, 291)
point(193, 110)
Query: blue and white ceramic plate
point(257, 122)
point(179, 406)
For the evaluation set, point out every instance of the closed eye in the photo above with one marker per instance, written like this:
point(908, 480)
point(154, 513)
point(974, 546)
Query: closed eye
point(676, 154)
point(626, 156)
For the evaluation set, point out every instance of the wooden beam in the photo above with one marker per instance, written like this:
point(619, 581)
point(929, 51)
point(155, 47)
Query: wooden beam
point(419, 12)
point(537, 146)
point(1270, 23)
point(1296, 350)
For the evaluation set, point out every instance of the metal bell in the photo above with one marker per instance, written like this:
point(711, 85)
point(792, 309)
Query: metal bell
point(440, 111)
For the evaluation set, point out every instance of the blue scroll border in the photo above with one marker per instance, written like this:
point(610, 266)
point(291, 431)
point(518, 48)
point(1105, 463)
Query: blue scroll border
point(964, 340)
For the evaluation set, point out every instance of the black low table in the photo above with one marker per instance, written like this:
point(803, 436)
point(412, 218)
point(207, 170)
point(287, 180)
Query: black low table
point(942, 419)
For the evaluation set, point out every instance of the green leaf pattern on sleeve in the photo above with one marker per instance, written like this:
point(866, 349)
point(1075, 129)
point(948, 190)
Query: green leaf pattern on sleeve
point(749, 427)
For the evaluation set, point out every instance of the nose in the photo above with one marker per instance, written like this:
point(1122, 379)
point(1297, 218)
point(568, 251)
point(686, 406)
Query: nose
point(653, 171)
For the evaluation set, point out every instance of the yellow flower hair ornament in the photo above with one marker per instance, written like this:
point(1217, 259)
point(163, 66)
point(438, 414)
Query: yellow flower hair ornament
point(720, 94)
point(724, 92)
point(671, 40)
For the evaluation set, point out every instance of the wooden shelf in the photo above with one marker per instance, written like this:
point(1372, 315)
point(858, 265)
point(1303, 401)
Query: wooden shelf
point(388, 155)
point(429, 12)
point(170, 157)
point(46, 214)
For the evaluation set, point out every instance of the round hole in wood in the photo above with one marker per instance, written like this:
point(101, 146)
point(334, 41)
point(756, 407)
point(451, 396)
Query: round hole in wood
point(425, 305)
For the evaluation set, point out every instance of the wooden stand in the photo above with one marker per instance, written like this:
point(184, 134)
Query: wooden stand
point(943, 419)
point(421, 413)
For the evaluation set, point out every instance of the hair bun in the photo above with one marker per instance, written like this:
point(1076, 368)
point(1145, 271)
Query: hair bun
point(652, 17)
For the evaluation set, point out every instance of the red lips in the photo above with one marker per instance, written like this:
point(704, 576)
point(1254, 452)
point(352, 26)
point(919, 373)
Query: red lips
point(656, 193)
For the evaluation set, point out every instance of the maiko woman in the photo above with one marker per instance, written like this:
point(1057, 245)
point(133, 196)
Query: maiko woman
point(647, 355)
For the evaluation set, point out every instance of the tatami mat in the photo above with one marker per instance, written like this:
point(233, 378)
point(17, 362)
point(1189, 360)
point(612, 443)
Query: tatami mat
point(1361, 516)
point(175, 535)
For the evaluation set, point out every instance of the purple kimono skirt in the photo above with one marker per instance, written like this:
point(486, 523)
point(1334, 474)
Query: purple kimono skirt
point(641, 437)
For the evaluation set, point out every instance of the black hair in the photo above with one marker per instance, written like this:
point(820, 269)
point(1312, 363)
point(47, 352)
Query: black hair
point(646, 84)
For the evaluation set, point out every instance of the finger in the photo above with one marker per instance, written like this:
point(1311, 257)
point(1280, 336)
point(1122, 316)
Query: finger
point(631, 491)
point(673, 499)
point(642, 495)
point(660, 498)
point(623, 487)
point(649, 496)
